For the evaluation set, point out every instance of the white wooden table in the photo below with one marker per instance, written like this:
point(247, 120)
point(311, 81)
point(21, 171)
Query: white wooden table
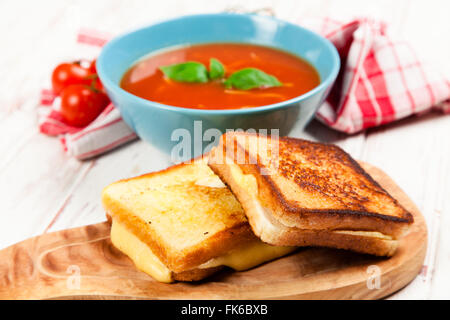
point(44, 190)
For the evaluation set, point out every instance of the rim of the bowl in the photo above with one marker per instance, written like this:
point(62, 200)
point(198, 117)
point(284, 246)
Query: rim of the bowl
point(324, 83)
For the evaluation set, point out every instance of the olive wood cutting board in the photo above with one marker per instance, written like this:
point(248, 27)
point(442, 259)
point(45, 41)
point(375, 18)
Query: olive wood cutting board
point(81, 263)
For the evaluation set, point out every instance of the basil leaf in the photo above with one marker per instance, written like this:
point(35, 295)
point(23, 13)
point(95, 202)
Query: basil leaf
point(216, 69)
point(249, 78)
point(186, 72)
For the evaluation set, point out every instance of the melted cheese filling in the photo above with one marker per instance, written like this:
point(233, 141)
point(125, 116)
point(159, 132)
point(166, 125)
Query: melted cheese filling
point(249, 256)
point(145, 260)
point(139, 253)
point(373, 234)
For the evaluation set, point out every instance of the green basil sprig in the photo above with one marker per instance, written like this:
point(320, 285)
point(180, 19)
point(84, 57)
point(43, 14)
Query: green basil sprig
point(186, 72)
point(244, 79)
point(250, 78)
point(216, 69)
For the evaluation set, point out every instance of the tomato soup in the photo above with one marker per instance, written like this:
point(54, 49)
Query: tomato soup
point(147, 81)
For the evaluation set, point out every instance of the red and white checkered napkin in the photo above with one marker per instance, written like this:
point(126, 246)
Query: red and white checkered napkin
point(105, 133)
point(380, 81)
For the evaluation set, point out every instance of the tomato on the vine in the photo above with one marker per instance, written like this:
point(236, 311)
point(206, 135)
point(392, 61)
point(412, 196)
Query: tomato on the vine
point(67, 74)
point(81, 104)
point(92, 66)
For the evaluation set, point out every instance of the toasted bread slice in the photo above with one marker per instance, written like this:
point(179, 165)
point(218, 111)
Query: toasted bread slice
point(179, 223)
point(297, 192)
point(185, 214)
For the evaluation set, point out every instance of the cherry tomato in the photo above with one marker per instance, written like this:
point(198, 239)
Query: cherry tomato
point(92, 66)
point(81, 104)
point(97, 83)
point(67, 74)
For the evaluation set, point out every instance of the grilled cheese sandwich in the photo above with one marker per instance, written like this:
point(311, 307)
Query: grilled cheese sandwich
point(277, 220)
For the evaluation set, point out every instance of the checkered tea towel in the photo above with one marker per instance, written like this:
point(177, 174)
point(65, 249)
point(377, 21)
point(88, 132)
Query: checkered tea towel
point(380, 81)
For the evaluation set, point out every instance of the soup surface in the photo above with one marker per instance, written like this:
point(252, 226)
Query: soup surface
point(147, 81)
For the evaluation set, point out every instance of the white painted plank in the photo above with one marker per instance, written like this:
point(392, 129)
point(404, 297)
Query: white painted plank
point(412, 152)
point(85, 206)
point(31, 186)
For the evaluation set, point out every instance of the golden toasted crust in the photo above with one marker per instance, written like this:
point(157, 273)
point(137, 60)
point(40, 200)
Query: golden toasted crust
point(271, 231)
point(187, 245)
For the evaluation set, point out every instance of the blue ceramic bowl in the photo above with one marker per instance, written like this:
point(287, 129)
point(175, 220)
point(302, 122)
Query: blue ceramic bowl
point(158, 123)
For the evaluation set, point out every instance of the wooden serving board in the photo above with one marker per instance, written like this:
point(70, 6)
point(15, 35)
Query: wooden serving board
point(81, 263)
